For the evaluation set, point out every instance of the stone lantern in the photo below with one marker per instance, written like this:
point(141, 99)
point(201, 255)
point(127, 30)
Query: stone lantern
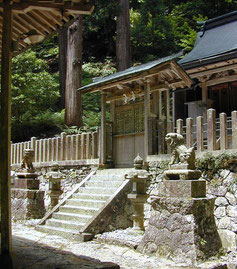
point(138, 195)
point(54, 191)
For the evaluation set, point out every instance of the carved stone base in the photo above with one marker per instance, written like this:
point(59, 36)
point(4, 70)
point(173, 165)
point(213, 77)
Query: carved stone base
point(181, 188)
point(181, 229)
point(26, 183)
point(27, 204)
point(183, 174)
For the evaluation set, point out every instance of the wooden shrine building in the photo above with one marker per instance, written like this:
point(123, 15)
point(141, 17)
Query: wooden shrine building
point(140, 102)
point(146, 100)
point(212, 64)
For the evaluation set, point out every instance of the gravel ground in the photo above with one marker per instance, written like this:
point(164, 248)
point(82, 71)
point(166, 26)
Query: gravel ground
point(41, 250)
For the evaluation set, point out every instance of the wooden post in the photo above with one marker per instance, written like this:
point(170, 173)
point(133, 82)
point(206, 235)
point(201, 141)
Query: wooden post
point(57, 149)
point(179, 125)
point(234, 129)
point(67, 147)
point(167, 105)
point(83, 146)
point(63, 138)
point(37, 151)
point(77, 157)
point(223, 132)
point(88, 145)
point(189, 132)
point(45, 150)
point(5, 136)
point(94, 145)
point(200, 145)
point(160, 105)
point(103, 149)
point(211, 129)
point(146, 116)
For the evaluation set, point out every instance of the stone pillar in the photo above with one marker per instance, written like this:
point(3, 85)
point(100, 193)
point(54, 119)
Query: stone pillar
point(138, 196)
point(27, 199)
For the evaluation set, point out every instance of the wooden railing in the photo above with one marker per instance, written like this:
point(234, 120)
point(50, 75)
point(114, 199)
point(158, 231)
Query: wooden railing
point(205, 134)
point(212, 134)
point(65, 147)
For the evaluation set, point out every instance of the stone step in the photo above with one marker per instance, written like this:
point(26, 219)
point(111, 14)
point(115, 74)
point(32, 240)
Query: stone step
point(71, 216)
point(86, 202)
point(66, 233)
point(66, 224)
point(107, 177)
point(89, 196)
point(114, 171)
point(97, 190)
point(78, 210)
point(104, 183)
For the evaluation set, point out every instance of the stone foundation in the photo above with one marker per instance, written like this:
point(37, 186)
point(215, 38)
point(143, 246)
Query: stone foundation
point(181, 229)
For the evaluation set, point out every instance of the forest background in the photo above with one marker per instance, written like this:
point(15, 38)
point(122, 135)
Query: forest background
point(157, 28)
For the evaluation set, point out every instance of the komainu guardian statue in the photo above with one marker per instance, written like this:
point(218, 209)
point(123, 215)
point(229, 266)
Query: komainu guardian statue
point(182, 163)
point(180, 153)
point(28, 157)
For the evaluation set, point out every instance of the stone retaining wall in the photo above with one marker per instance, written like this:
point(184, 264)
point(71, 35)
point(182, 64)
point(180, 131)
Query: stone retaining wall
point(71, 177)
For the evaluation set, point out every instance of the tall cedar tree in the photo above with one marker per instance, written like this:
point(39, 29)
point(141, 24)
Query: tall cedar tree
point(123, 44)
point(73, 104)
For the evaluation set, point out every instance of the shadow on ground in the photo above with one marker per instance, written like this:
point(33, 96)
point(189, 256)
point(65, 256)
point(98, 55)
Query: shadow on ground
point(28, 254)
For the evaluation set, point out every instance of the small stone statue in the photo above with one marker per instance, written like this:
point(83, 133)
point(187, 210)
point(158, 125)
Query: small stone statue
point(182, 164)
point(26, 164)
point(180, 153)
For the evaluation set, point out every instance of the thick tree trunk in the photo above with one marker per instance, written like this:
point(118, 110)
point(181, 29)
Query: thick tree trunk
point(123, 47)
point(73, 104)
point(62, 43)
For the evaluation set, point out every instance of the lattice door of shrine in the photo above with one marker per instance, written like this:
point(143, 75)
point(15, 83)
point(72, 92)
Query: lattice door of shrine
point(128, 138)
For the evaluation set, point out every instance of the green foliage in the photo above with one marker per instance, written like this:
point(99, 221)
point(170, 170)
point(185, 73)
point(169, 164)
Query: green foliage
point(210, 164)
point(91, 101)
point(151, 32)
point(35, 94)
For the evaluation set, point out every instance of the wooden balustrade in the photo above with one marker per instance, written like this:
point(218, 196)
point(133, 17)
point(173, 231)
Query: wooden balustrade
point(214, 134)
point(62, 148)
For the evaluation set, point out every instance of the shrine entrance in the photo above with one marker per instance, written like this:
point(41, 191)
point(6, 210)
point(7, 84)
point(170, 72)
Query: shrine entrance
point(128, 136)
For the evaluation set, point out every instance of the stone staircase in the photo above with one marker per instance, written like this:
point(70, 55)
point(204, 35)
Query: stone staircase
point(81, 214)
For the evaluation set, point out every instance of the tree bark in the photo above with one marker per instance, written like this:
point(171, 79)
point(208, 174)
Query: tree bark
point(123, 44)
point(62, 44)
point(73, 104)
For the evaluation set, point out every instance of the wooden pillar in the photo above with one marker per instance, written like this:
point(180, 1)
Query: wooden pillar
point(200, 145)
point(223, 132)
point(189, 132)
point(234, 129)
point(179, 125)
point(167, 105)
point(5, 136)
point(103, 130)
point(146, 116)
point(211, 129)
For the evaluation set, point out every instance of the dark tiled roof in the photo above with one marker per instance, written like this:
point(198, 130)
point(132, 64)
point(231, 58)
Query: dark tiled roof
point(217, 41)
point(130, 72)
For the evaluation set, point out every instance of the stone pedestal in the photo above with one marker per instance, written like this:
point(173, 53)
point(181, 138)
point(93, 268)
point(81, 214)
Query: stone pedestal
point(181, 188)
point(181, 228)
point(54, 177)
point(27, 199)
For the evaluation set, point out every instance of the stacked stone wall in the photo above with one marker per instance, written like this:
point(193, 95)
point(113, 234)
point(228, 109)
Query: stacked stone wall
point(70, 177)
